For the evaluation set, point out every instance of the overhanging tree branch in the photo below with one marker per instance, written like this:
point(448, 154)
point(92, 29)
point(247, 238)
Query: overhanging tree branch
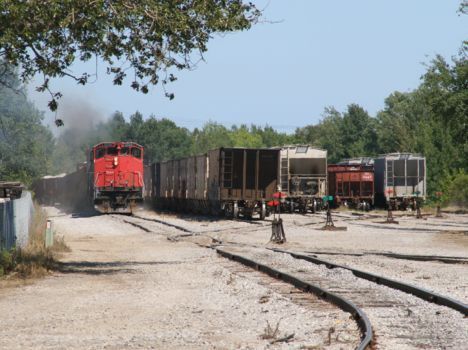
point(154, 37)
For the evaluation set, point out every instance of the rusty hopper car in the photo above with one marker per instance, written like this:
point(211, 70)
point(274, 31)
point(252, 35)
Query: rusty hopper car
point(303, 177)
point(233, 181)
point(400, 179)
point(351, 183)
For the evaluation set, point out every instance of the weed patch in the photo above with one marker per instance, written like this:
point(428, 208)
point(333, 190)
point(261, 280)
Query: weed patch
point(34, 260)
point(6, 262)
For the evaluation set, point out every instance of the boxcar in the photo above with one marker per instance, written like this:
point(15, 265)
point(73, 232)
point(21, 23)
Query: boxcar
point(400, 179)
point(233, 181)
point(303, 177)
point(351, 183)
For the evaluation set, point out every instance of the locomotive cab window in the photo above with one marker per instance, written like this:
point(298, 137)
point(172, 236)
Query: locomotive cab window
point(112, 151)
point(100, 152)
point(124, 151)
point(136, 152)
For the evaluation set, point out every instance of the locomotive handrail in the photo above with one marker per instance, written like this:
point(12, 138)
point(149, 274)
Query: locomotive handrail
point(140, 177)
point(97, 177)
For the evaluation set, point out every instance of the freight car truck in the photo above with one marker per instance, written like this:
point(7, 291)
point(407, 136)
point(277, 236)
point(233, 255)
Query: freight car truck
point(303, 177)
point(400, 180)
point(232, 181)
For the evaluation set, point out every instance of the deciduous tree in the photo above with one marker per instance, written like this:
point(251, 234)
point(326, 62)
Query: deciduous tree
point(143, 39)
point(26, 146)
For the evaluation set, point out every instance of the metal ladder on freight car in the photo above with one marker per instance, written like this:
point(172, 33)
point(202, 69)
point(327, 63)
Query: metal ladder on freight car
point(390, 174)
point(285, 174)
point(227, 169)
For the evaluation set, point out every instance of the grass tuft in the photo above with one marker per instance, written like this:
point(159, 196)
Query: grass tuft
point(270, 332)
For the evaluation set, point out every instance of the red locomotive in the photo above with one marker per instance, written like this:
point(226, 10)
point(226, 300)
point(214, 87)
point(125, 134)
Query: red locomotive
point(351, 183)
point(116, 176)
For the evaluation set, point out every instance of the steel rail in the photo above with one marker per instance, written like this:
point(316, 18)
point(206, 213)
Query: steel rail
point(441, 258)
point(181, 228)
point(404, 287)
point(359, 316)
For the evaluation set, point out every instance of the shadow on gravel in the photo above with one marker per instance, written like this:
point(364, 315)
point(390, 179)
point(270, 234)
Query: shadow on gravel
point(105, 268)
point(86, 214)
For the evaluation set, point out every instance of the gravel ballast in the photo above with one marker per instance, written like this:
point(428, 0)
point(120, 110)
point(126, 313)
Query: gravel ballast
point(121, 287)
point(400, 320)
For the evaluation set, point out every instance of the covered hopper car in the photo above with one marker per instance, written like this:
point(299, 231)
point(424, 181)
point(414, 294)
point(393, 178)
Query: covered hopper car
point(303, 177)
point(233, 181)
point(400, 180)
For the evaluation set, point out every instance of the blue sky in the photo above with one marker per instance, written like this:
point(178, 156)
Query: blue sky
point(306, 55)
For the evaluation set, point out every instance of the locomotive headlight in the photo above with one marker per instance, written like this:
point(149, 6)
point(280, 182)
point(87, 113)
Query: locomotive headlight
point(116, 161)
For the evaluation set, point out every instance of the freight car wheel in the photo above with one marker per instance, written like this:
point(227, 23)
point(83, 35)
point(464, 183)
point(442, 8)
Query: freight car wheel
point(231, 210)
point(235, 211)
point(314, 206)
point(263, 212)
point(228, 209)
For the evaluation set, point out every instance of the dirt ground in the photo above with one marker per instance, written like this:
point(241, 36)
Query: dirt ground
point(125, 285)
point(121, 287)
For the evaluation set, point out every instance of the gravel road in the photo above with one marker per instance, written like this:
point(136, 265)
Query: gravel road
point(121, 287)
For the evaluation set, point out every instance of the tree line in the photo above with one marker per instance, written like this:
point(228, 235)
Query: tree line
point(430, 120)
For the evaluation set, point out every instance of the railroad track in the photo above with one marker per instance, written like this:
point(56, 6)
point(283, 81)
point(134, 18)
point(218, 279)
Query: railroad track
point(356, 218)
point(381, 280)
point(382, 226)
point(441, 258)
point(399, 319)
point(306, 287)
point(260, 226)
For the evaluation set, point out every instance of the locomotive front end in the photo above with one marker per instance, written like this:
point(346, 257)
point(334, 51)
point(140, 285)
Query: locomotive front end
point(117, 176)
